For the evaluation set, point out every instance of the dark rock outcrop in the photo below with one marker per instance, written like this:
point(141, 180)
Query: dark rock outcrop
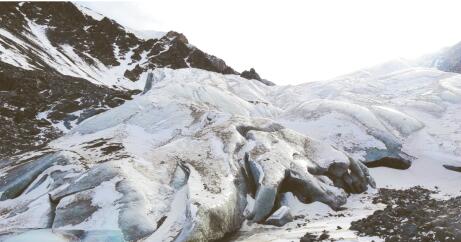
point(253, 75)
point(390, 162)
point(34, 102)
point(453, 168)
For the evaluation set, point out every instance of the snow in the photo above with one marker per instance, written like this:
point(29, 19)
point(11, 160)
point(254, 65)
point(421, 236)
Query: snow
point(100, 73)
point(176, 217)
point(10, 54)
point(413, 107)
point(106, 217)
point(318, 217)
point(64, 58)
point(89, 12)
point(147, 34)
point(403, 123)
point(426, 170)
point(190, 117)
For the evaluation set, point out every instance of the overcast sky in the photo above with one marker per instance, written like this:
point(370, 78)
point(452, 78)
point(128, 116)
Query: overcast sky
point(292, 42)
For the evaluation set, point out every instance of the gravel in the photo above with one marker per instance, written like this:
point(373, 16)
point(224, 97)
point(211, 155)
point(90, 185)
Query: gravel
point(412, 215)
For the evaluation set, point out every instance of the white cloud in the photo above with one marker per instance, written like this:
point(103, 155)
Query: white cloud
point(298, 41)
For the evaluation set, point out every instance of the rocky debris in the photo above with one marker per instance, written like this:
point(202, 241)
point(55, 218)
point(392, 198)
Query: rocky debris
point(309, 237)
point(412, 215)
point(253, 75)
point(35, 102)
point(280, 217)
point(453, 168)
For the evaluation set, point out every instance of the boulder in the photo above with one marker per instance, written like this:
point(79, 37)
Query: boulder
point(280, 217)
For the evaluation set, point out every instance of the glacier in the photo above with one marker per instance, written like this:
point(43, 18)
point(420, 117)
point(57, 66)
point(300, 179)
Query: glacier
point(200, 154)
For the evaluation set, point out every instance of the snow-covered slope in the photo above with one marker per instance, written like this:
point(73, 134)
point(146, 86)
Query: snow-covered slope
point(401, 110)
point(411, 113)
point(78, 42)
point(200, 152)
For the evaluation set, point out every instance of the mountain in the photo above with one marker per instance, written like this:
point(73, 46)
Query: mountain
point(62, 63)
point(73, 41)
point(191, 150)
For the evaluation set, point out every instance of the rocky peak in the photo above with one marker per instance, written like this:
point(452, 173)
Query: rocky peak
point(253, 75)
point(178, 36)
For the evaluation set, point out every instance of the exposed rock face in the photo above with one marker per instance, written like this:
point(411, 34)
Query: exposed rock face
point(252, 74)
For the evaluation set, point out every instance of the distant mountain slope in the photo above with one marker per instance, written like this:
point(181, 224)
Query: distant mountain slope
point(76, 42)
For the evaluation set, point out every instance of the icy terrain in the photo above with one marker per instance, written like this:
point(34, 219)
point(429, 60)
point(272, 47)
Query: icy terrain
point(199, 153)
point(415, 109)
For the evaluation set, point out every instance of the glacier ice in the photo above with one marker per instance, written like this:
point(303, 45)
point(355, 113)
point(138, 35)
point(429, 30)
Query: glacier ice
point(198, 153)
